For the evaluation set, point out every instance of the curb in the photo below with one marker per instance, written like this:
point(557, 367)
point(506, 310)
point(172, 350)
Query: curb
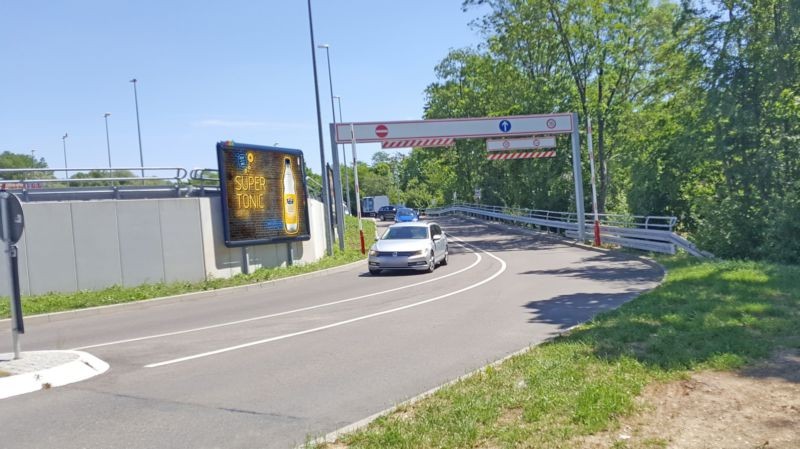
point(83, 367)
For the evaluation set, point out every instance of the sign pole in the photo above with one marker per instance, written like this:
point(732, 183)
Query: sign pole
point(358, 192)
point(337, 186)
point(597, 241)
point(577, 173)
point(10, 250)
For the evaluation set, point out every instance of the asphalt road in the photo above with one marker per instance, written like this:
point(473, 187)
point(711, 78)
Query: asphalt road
point(272, 367)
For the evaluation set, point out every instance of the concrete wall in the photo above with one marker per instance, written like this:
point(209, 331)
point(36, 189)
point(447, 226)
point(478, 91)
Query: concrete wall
point(89, 245)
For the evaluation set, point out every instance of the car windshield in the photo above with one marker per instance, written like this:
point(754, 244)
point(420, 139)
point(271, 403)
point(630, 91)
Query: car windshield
point(405, 212)
point(406, 232)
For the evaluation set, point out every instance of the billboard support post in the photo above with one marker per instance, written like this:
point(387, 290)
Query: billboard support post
point(245, 261)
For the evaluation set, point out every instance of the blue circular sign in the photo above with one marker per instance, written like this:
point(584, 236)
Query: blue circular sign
point(505, 126)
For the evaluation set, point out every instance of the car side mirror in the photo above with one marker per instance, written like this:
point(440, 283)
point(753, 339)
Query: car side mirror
point(437, 237)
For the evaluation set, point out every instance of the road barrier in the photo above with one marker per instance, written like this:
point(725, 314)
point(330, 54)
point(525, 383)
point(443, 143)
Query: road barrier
point(648, 233)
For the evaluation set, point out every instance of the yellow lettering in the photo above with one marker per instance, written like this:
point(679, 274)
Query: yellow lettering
point(249, 183)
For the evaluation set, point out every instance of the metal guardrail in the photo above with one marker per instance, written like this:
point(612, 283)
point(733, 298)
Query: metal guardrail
point(648, 233)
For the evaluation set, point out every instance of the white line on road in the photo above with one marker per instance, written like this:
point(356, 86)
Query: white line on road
point(337, 324)
point(478, 258)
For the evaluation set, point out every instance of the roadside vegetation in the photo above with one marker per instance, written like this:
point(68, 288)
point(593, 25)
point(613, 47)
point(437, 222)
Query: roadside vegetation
point(719, 315)
point(57, 302)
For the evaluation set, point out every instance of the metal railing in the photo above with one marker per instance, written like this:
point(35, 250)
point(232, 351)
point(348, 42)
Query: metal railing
point(37, 184)
point(648, 233)
point(204, 181)
point(180, 173)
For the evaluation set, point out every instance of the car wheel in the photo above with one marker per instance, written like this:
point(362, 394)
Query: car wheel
point(432, 263)
point(374, 271)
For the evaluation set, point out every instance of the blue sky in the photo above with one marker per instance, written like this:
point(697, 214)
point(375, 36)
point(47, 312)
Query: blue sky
point(210, 71)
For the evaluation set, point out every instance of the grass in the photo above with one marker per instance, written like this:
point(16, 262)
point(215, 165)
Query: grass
point(706, 315)
point(57, 302)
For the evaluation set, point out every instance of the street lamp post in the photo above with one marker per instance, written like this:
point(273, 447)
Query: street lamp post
point(337, 181)
point(138, 127)
point(325, 199)
point(344, 156)
point(64, 141)
point(108, 141)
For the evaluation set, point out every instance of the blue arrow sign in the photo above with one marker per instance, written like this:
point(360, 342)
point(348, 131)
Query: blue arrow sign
point(505, 126)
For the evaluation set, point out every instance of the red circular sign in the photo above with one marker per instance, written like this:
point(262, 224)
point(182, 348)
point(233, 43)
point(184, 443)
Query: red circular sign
point(381, 131)
point(506, 144)
point(551, 123)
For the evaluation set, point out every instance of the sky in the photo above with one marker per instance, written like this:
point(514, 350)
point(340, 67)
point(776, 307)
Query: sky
point(209, 71)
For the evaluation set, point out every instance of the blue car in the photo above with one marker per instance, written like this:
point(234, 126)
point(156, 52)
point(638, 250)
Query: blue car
point(404, 215)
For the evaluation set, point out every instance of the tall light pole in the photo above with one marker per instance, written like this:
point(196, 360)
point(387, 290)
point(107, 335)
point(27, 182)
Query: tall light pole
point(325, 200)
point(108, 141)
point(337, 181)
point(64, 141)
point(138, 127)
point(346, 169)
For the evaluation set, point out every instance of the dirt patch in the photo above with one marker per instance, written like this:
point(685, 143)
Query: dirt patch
point(754, 408)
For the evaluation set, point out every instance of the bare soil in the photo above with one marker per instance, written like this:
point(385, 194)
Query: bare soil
point(754, 408)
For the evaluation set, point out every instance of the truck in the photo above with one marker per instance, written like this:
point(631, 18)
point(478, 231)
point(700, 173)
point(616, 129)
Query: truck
point(371, 204)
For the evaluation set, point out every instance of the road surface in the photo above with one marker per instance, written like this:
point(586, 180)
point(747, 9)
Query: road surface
point(274, 366)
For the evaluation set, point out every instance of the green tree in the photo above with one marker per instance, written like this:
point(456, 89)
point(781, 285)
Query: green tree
point(753, 112)
point(9, 160)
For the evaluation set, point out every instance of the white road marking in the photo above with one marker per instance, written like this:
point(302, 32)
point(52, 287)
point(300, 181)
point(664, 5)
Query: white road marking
point(337, 324)
point(478, 258)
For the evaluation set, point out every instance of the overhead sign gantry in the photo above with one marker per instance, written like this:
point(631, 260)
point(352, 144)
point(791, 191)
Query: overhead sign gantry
point(472, 128)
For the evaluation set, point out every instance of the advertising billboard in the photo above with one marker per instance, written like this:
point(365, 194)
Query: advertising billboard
point(263, 193)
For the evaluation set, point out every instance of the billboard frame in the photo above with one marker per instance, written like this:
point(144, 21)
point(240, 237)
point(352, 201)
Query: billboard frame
point(223, 188)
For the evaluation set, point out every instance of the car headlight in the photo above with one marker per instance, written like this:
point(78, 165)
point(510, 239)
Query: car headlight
point(419, 253)
point(373, 252)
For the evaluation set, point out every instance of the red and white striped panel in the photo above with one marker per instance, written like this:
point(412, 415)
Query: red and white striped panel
point(412, 143)
point(520, 155)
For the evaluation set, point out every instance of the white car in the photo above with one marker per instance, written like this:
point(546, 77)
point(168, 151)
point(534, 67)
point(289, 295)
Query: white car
point(419, 246)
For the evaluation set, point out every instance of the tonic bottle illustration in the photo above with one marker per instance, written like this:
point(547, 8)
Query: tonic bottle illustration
point(289, 198)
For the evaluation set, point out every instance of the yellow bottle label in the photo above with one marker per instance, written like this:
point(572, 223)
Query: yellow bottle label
point(290, 212)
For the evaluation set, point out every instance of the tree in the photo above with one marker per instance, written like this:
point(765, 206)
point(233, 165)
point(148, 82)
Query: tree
point(605, 48)
point(9, 160)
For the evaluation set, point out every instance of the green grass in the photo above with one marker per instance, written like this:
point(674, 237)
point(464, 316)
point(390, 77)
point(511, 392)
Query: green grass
point(57, 302)
point(706, 315)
